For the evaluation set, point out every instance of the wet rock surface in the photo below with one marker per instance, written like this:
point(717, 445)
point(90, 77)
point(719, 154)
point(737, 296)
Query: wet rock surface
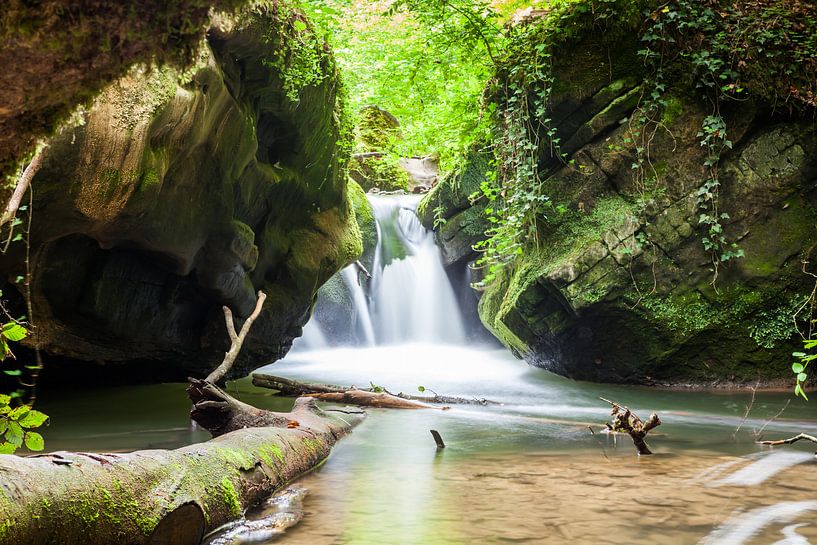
point(620, 286)
point(184, 193)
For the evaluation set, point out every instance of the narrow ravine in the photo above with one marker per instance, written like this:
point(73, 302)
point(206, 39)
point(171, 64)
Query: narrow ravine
point(528, 471)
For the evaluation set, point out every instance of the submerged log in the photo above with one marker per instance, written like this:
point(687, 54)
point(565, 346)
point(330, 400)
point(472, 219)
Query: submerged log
point(289, 387)
point(380, 400)
point(159, 496)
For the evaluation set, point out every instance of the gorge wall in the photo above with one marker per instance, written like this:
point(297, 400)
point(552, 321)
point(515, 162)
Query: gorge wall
point(185, 191)
point(619, 286)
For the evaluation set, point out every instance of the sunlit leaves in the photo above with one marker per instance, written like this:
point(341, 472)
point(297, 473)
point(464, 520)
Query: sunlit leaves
point(34, 441)
point(800, 366)
point(16, 425)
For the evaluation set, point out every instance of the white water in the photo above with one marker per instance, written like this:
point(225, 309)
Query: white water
point(410, 333)
point(411, 298)
point(362, 315)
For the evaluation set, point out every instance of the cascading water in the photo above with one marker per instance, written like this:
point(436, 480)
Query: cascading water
point(410, 298)
point(413, 298)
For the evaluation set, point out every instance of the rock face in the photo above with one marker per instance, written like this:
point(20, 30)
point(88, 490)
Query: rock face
point(184, 193)
point(63, 53)
point(335, 311)
point(620, 287)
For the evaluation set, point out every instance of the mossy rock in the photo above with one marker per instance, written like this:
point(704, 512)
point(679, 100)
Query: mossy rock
point(379, 171)
point(618, 286)
point(172, 201)
point(377, 129)
point(457, 189)
point(79, 55)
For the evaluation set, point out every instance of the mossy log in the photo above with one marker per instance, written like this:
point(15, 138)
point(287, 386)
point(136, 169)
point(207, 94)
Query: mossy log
point(166, 496)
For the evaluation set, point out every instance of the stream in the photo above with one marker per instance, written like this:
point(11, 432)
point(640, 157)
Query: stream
point(526, 471)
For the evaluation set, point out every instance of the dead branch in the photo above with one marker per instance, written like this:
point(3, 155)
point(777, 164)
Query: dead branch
point(22, 186)
point(627, 421)
point(290, 387)
point(364, 398)
point(362, 269)
point(790, 440)
point(759, 433)
point(236, 339)
point(748, 411)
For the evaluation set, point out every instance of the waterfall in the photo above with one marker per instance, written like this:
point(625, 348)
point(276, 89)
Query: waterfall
point(410, 298)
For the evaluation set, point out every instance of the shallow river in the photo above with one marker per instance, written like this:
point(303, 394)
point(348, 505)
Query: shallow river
point(528, 471)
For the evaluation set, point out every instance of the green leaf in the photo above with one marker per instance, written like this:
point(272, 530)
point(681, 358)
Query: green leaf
point(19, 412)
point(14, 434)
point(34, 441)
point(13, 372)
point(14, 332)
point(33, 419)
point(7, 448)
point(421, 388)
point(801, 377)
point(4, 425)
point(5, 399)
point(797, 367)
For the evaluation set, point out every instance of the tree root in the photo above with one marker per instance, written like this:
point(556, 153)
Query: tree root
point(624, 420)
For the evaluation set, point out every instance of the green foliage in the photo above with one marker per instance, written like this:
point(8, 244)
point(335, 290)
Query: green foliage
point(11, 332)
point(16, 425)
point(424, 62)
point(17, 420)
point(772, 326)
point(800, 366)
point(298, 55)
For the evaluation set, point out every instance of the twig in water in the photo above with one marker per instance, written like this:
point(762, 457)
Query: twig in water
point(438, 439)
point(790, 440)
point(748, 410)
point(601, 446)
point(759, 433)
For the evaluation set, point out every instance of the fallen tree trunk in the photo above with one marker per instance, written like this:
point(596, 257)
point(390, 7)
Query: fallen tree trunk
point(158, 496)
point(175, 497)
point(289, 387)
point(380, 400)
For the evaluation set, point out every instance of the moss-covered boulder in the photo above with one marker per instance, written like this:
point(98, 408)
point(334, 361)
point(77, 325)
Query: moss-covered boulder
point(335, 309)
point(183, 192)
point(621, 283)
point(58, 54)
point(454, 208)
point(375, 167)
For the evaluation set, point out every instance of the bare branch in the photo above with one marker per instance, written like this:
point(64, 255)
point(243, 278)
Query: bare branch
point(236, 340)
point(627, 421)
point(228, 319)
point(22, 186)
point(790, 440)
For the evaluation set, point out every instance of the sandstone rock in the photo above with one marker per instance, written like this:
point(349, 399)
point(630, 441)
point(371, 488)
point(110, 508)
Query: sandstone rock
point(181, 194)
point(619, 287)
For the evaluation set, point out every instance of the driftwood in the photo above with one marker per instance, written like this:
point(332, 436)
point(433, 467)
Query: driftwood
point(175, 497)
point(289, 387)
point(790, 440)
point(236, 339)
point(624, 420)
